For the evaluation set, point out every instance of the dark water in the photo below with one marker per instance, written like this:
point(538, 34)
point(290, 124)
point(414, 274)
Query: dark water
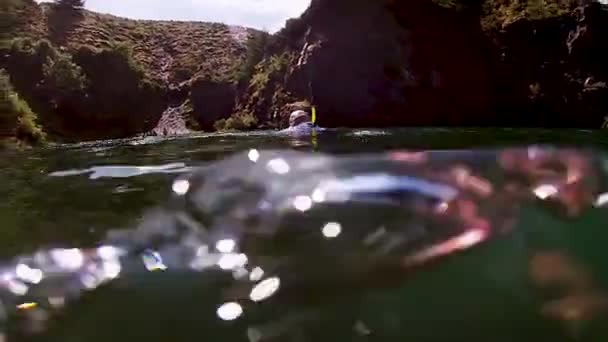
point(71, 196)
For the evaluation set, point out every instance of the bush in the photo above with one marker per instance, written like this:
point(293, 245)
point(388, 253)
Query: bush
point(256, 47)
point(500, 13)
point(40, 71)
point(26, 61)
point(237, 122)
point(63, 77)
point(16, 117)
point(119, 91)
point(114, 69)
point(121, 55)
point(10, 19)
point(26, 47)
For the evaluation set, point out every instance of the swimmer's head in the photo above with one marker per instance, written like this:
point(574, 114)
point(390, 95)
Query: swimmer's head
point(298, 117)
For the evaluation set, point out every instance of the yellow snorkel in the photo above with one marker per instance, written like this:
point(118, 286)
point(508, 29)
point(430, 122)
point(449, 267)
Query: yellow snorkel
point(313, 133)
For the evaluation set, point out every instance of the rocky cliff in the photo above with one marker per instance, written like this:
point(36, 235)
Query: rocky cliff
point(379, 63)
point(388, 62)
point(553, 72)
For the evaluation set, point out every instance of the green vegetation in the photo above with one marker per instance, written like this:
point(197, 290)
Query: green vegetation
point(9, 17)
point(63, 78)
point(265, 90)
point(238, 122)
point(266, 71)
point(499, 13)
point(187, 108)
point(256, 47)
point(37, 66)
point(17, 120)
point(85, 90)
point(496, 14)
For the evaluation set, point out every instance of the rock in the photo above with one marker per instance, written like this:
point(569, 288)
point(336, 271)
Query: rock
point(387, 63)
point(212, 100)
point(562, 61)
point(384, 63)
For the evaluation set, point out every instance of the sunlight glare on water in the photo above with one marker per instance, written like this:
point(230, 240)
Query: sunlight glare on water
point(225, 245)
point(265, 289)
point(332, 230)
point(302, 203)
point(229, 311)
point(256, 274)
point(278, 166)
point(231, 261)
point(181, 186)
point(30, 275)
point(254, 155)
point(545, 191)
point(70, 259)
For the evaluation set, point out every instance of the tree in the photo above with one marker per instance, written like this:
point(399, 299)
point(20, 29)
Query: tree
point(63, 77)
point(256, 47)
point(16, 117)
point(71, 4)
point(64, 18)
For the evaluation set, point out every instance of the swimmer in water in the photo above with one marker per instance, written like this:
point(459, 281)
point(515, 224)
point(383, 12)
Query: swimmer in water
point(300, 122)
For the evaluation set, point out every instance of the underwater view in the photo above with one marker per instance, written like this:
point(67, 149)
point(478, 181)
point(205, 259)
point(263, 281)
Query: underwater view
point(423, 234)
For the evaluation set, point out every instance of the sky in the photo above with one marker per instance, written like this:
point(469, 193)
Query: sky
point(269, 15)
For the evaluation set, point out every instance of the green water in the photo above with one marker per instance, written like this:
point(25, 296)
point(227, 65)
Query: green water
point(483, 296)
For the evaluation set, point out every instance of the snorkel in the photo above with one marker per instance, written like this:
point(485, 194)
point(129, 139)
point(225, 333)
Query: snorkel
point(313, 132)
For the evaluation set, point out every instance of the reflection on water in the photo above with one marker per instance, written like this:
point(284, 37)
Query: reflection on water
point(122, 171)
point(332, 230)
point(229, 311)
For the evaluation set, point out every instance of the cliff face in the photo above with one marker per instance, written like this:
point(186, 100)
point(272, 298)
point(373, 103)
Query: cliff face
point(383, 63)
point(553, 72)
point(388, 62)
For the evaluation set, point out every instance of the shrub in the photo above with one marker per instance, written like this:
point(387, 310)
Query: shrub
point(256, 47)
point(26, 61)
point(122, 53)
point(16, 117)
point(118, 89)
point(500, 13)
point(237, 122)
point(63, 77)
point(10, 19)
point(7, 114)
